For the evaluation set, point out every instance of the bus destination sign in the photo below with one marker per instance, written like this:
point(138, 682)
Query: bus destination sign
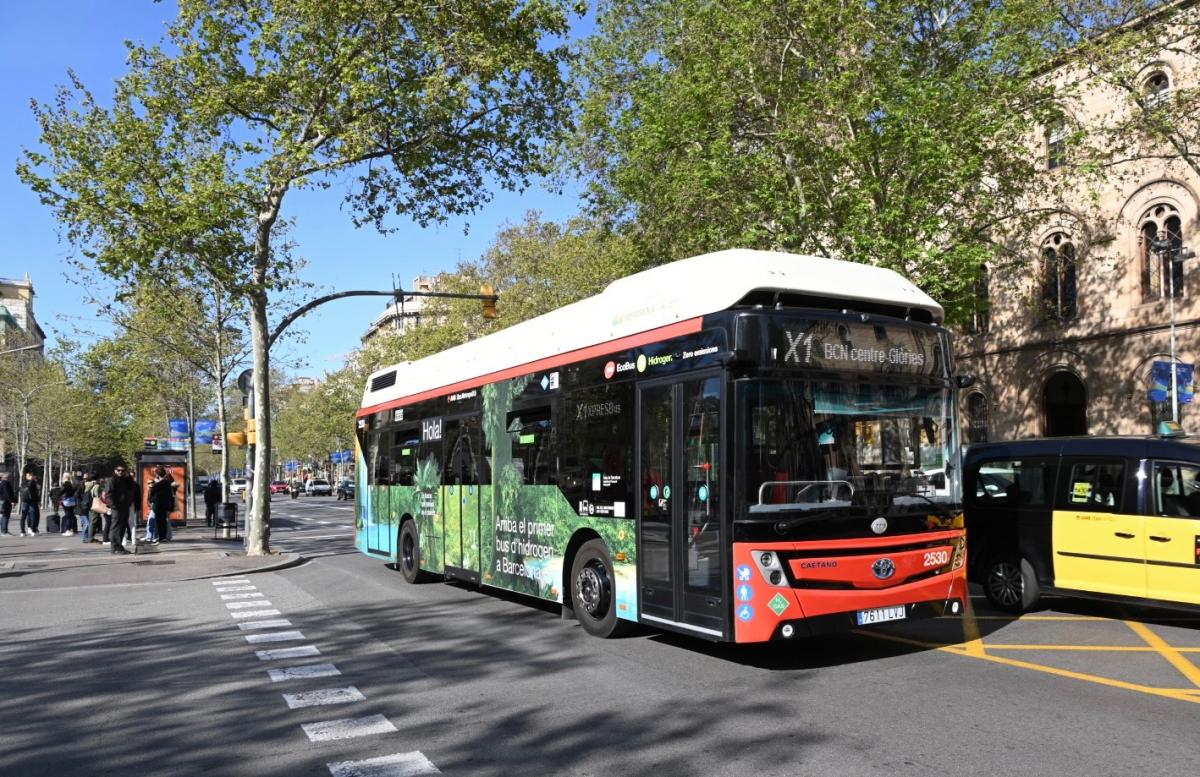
point(843, 345)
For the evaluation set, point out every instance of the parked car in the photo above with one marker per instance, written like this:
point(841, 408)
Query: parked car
point(238, 485)
point(317, 487)
point(1099, 517)
point(345, 489)
point(279, 487)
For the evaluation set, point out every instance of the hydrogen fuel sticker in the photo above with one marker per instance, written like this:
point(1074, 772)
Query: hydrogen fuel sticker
point(778, 604)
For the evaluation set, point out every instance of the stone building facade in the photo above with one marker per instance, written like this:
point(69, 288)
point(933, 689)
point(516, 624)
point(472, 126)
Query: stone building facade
point(1070, 336)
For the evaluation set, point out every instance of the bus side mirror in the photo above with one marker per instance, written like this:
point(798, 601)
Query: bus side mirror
point(965, 379)
point(738, 361)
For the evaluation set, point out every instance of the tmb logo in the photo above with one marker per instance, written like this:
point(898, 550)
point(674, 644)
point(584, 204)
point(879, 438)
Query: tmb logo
point(431, 430)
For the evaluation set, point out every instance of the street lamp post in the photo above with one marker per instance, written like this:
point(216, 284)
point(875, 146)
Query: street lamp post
point(1168, 255)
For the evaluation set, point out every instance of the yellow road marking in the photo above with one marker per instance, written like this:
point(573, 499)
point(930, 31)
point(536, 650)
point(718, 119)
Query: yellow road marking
point(1170, 693)
point(974, 641)
point(1185, 667)
point(1101, 648)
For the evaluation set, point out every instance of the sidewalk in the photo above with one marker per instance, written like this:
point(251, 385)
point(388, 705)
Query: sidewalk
point(54, 561)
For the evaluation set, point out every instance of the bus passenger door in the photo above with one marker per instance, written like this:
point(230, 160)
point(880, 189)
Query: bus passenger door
point(461, 496)
point(681, 552)
point(1173, 534)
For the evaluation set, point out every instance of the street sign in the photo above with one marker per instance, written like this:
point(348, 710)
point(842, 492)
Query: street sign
point(150, 443)
point(217, 443)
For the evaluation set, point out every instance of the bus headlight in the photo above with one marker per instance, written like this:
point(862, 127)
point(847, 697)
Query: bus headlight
point(767, 559)
point(960, 553)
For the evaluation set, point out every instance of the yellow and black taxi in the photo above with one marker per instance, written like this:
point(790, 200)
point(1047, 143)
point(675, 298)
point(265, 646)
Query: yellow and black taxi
point(1096, 516)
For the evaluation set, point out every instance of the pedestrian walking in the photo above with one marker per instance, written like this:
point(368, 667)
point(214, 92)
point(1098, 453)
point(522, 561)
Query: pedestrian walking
point(162, 502)
point(212, 498)
point(123, 494)
point(31, 497)
point(53, 522)
point(7, 498)
point(68, 498)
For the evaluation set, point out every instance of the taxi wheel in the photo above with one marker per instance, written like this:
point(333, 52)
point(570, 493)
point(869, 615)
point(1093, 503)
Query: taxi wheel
point(1010, 583)
point(593, 596)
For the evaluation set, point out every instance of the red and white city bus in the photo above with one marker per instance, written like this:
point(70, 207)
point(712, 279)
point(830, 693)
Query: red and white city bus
point(740, 446)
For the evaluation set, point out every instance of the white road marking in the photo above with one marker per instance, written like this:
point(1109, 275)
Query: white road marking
point(270, 624)
point(275, 624)
point(255, 613)
point(323, 697)
point(227, 581)
point(347, 728)
point(274, 636)
point(399, 765)
point(241, 596)
point(235, 588)
point(325, 523)
point(246, 605)
point(292, 652)
point(345, 536)
point(303, 672)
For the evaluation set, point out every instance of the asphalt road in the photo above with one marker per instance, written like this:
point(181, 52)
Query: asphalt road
point(161, 679)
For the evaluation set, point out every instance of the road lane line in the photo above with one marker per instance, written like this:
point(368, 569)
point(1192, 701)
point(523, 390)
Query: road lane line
point(292, 652)
point(411, 764)
point(275, 624)
point(274, 636)
point(230, 581)
point(347, 728)
point(227, 597)
point(1173, 656)
point(323, 697)
point(303, 672)
point(255, 613)
point(1085, 648)
point(246, 605)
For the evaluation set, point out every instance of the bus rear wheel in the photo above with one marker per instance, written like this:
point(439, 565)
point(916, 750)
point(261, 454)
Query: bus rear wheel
point(1010, 583)
point(593, 593)
point(408, 553)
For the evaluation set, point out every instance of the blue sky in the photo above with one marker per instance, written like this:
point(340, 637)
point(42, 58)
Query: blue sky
point(40, 41)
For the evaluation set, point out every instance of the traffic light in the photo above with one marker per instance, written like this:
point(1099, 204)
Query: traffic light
point(488, 292)
point(236, 439)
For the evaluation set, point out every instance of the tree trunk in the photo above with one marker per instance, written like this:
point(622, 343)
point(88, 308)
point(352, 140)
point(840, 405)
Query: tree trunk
point(259, 531)
point(220, 375)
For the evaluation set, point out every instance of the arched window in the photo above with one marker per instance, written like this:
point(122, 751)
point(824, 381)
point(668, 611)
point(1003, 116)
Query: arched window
point(977, 417)
point(1056, 145)
point(980, 304)
point(1161, 220)
point(1059, 293)
point(1156, 88)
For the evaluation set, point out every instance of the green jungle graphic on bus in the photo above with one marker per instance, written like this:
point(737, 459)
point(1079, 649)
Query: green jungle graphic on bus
point(513, 534)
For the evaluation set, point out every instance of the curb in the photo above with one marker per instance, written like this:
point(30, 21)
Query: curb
point(286, 561)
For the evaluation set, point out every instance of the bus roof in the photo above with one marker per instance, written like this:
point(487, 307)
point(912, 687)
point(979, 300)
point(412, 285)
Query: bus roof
point(665, 301)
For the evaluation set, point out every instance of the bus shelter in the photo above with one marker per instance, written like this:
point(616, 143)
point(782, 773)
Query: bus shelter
point(175, 463)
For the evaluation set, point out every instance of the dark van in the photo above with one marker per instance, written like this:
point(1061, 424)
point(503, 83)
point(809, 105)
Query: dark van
point(1096, 516)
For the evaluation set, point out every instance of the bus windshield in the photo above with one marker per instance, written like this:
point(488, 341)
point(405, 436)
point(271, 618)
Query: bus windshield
point(826, 444)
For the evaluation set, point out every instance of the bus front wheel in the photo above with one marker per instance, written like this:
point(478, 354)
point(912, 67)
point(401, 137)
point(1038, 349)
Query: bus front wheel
point(1010, 583)
point(408, 553)
point(593, 594)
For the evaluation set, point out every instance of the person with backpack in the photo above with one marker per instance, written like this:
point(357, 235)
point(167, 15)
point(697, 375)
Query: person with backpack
point(31, 497)
point(7, 497)
point(123, 495)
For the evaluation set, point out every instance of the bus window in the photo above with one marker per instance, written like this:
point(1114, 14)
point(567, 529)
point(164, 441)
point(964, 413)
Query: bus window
point(1093, 486)
point(379, 464)
point(534, 445)
point(1176, 490)
point(702, 414)
point(404, 456)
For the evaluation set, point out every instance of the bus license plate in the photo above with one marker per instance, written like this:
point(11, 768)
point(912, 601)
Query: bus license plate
point(881, 615)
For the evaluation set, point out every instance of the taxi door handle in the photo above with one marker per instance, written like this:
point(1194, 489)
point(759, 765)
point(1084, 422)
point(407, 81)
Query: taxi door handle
point(1124, 535)
point(1160, 539)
